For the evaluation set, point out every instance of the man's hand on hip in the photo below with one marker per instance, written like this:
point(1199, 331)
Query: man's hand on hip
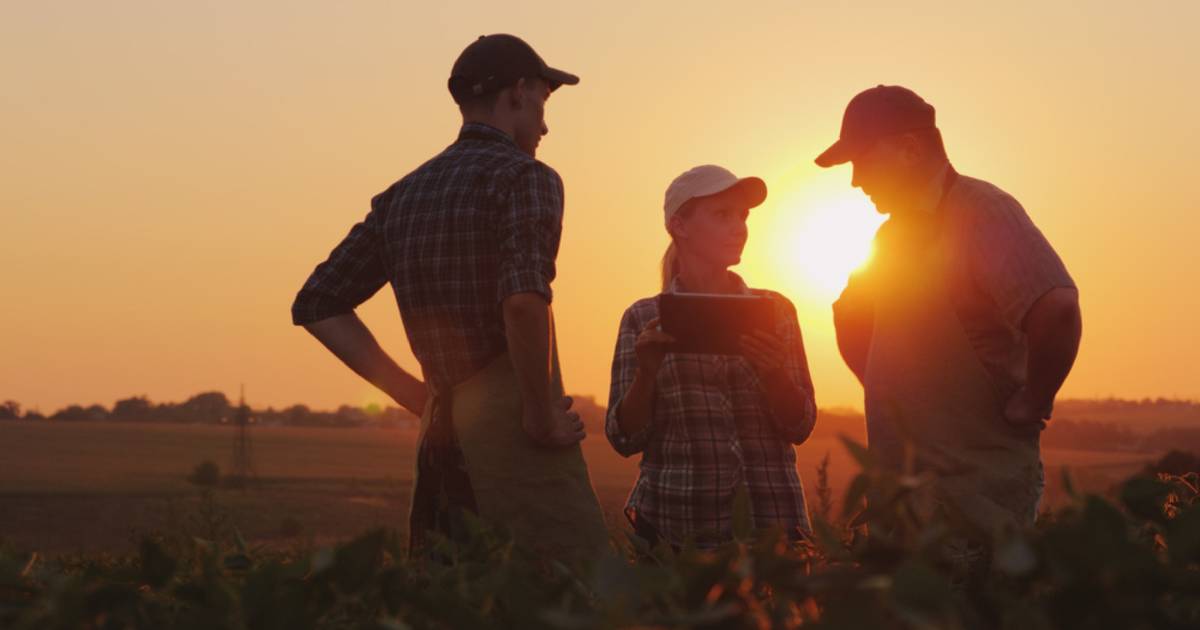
point(1027, 414)
point(555, 427)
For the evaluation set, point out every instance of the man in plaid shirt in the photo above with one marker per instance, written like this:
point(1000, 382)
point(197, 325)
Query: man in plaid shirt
point(468, 243)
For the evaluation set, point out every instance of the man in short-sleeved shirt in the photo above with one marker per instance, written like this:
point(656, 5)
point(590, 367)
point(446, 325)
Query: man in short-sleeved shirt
point(1004, 285)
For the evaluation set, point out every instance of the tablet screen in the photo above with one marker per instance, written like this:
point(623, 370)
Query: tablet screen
point(704, 323)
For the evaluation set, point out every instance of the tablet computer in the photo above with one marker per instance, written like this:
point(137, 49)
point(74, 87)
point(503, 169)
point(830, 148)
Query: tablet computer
point(704, 323)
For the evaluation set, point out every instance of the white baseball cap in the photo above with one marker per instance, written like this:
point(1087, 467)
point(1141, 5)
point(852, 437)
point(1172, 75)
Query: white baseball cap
point(707, 180)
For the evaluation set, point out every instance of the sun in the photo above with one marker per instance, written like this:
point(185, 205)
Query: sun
point(812, 237)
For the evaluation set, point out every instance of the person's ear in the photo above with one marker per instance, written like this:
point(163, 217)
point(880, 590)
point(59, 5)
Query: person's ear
point(910, 149)
point(518, 93)
point(677, 227)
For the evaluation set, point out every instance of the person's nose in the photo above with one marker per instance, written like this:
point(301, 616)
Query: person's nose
point(855, 176)
point(741, 230)
point(545, 129)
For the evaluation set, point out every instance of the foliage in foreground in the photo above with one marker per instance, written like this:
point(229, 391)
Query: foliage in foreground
point(1133, 562)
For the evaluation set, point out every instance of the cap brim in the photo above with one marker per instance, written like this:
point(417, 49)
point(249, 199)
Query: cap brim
point(840, 153)
point(751, 190)
point(558, 77)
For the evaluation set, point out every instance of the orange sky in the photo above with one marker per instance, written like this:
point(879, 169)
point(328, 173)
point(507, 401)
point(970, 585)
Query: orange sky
point(171, 172)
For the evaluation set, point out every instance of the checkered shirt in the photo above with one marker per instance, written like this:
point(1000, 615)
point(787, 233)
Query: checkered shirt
point(475, 224)
point(712, 431)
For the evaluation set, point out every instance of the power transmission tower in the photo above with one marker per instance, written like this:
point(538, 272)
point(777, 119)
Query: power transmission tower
point(243, 448)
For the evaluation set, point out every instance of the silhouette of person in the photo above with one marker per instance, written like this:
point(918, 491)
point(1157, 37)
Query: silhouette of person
point(964, 324)
point(468, 242)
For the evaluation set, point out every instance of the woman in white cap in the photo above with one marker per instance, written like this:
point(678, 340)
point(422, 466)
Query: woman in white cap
point(710, 426)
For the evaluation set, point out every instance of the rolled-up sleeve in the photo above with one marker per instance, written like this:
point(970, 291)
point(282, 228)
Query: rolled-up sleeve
point(530, 229)
point(353, 273)
point(624, 368)
point(797, 429)
point(1010, 259)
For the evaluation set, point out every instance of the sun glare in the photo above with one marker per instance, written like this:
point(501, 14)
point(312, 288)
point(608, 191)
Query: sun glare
point(817, 233)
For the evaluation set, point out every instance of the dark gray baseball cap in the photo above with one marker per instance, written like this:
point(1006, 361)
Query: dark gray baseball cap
point(494, 62)
point(874, 114)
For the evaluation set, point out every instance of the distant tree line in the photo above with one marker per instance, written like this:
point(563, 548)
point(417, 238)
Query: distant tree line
point(215, 408)
point(1108, 405)
point(1144, 414)
point(1117, 425)
point(1118, 436)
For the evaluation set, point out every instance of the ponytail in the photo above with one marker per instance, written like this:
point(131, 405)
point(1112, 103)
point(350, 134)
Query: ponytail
point(670, 266)
point(670, 260)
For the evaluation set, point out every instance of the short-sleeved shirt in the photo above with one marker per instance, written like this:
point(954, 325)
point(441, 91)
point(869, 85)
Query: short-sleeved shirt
point(1002, 264)
point(712, 431)
point(477, 223)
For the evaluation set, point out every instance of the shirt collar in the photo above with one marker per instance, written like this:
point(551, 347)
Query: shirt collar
point(486, 133)
point(739, 285)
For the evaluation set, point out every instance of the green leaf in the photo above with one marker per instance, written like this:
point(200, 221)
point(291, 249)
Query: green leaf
point(1144, 498)
point(1068, 484)
point(204, 544)
point(391, 624)
point(854, 495)
point(1015, 557)
point(1183, 537)
point(238, 562)
point(322, 560)
point(25, 570)
point(859, 452)
point(239, 542)
point(157, 567)
point(356, 563)
point(921, 595)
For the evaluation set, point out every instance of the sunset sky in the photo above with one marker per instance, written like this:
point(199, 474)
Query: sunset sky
point(172, 171)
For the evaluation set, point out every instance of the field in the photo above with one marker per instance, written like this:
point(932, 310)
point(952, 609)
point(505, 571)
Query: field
point(95, 486)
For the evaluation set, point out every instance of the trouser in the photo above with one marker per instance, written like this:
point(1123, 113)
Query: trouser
point(443, 490)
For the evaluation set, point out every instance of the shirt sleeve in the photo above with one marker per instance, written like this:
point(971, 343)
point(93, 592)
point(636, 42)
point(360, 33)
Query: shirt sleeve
point(353, 273)
point(530, 228)
point(796, 430)
point(1010, 259)
point(854, 310)
point(624, 367)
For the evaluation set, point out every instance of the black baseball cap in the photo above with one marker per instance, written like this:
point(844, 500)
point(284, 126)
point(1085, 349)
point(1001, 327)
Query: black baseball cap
point(494, 62)
point(874, 114)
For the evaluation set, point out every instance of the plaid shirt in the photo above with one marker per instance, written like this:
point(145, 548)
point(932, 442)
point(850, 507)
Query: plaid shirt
point(712, 431)
point(475, 224)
